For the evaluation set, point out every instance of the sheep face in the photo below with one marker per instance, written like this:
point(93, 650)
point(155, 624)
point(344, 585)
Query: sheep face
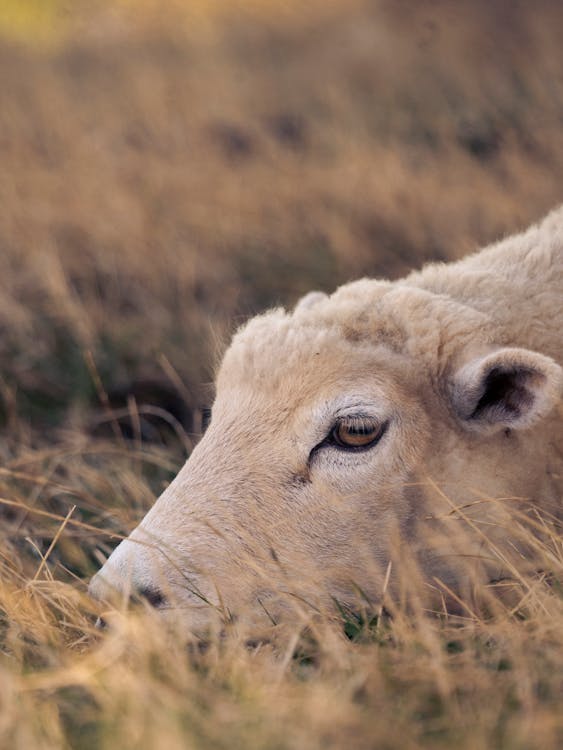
point(326, 453)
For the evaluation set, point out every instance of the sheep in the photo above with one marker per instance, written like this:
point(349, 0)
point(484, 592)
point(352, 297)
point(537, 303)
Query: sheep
point(413, 422)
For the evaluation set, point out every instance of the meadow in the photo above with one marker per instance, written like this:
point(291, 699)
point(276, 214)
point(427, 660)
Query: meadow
point(165, 174)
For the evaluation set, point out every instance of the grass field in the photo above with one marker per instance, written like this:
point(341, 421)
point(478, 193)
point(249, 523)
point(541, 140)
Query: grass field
point(163, 175)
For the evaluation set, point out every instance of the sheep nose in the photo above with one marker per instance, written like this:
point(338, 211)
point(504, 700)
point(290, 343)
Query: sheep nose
point(152, 596)
point(103, 590)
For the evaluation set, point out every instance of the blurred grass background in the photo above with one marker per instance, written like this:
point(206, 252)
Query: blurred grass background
point(167, 170)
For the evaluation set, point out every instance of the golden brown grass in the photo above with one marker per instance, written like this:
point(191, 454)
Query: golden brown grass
point(163, 175)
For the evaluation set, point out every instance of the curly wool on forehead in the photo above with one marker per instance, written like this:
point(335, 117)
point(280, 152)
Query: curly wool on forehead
point(282, 340)
point(364, 313)
point(276, 342)
point(351, 312)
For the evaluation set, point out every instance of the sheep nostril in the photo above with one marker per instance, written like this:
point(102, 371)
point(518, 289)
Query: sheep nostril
point(154, 597)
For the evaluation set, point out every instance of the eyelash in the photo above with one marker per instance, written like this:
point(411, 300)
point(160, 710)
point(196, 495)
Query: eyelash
point(205, 418)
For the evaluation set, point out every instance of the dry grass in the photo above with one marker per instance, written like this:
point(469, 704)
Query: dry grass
point(162, 177)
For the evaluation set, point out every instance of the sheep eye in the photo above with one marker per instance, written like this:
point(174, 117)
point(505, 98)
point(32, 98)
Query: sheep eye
point(356, 432)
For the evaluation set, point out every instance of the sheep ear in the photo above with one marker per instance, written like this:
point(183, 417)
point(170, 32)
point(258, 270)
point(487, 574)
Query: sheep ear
point(310, 300)
point(506, 388)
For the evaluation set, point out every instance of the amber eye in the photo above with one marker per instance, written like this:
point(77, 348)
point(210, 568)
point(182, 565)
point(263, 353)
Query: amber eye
point(356, 432)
